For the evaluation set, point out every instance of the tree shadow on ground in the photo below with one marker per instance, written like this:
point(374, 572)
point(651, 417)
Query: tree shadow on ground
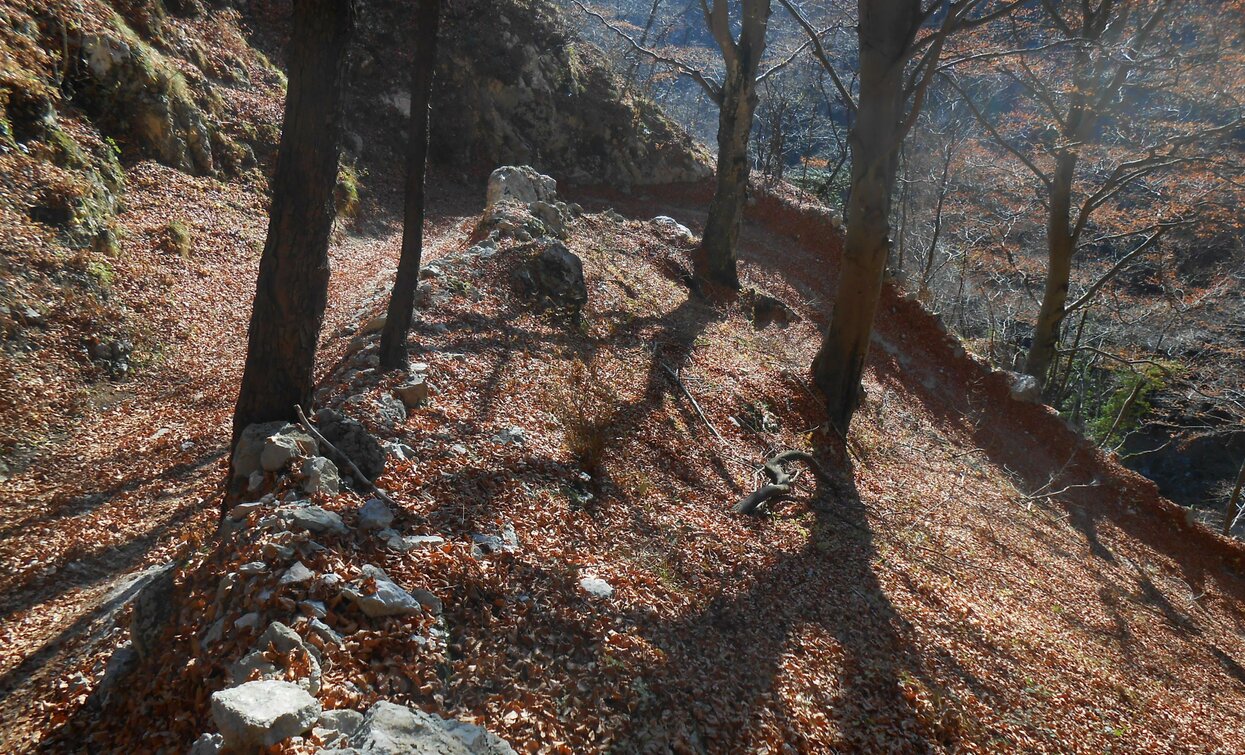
point(724, 678)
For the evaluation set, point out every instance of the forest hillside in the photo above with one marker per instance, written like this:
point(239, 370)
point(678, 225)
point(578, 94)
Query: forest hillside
point(603, 507)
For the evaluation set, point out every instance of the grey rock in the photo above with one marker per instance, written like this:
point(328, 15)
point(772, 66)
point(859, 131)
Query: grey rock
point(315, 519)
point(375, 515)
point(263, 713)
point(596, 587)
point(511, 435)
point(351, 438)
point(250, 447)
point(207, 744)
point(320, 476)
point(389, 599)
point(390, 729)
point(674, 228)
point(414, 392)
point(253, 567)
point(286, 642)
point(400, 451)
point(520, 183)
point(296, 574)
point(1024, 387)
point(243, 510)
point(314, 608)
point(284, 446)
point(154, 605)
point(412, 542)
point(343, 721)
point(247, 620)
point(555, 277)
point(325, 632)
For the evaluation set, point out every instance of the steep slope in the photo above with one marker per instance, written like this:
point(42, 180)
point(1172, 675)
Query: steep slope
point(984, 582)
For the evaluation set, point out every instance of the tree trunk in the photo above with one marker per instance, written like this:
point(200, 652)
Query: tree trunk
point(1060, 245)
point(886, 29)
point(721, 236)
point(402, 300)
point(292, 289)
point(1230, 513)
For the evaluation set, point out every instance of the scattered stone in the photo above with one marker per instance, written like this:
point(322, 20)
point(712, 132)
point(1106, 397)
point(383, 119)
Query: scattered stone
point(555, 278)
point(262, 713)
point(389, 599)
point(411, 542)
point(316, 519)
point(254, 441)
point(511, 435)
point(414, 392)
point(375, 515)
point(243, 510)
point(207, 744)
point(337, 724)
point(400, 451)
point(324, 632)
point(252, 568)
point(1025, 388)
point(282, 447)
point(286, 642)
point(552, 215)
point(390, 729)
point(314, 608)
point(674, 228)
point(154, 604)
point(248, 620)
point(296, 574)
point(373, 326)
point(351, 438)
point(596, 587)
point(320, 476)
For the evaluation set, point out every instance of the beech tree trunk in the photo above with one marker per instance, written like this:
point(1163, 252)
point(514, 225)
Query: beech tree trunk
point(292, 289)
point(402, 300)
point(885, 30)
point(1060, 246)
point(721, 235)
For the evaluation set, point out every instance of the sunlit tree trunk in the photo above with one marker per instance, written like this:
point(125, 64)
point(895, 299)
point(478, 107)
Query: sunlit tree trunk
point(402, 300)
point(721, 235)
point(885, 30)
point(292, 289)
point(1060, 246)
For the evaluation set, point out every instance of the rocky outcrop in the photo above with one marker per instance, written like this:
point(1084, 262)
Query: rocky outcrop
point(515, 86)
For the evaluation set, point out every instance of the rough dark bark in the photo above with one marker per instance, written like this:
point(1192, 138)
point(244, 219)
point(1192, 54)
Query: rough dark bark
point(1060, 246)
point(402, 300)
point(721, 235)
point(737, 101)
point(885, 30)
point(292, 288)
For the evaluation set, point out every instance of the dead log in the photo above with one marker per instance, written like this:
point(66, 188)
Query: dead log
point(780, 480)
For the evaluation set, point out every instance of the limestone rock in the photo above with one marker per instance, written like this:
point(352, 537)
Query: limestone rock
point(390, 729)
point(414, 392)
point(262, 713)
point(596, 587)
point(286, 642)
point(320, 476)
point(555, 277)
point(520, 183)
point(315, 519)
point(388, 599)
point(285, 445)
point(375, 515)
point(1024, 388)
point(351, 438)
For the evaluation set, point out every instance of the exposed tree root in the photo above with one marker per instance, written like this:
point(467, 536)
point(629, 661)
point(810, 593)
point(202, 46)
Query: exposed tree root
point(780, 481)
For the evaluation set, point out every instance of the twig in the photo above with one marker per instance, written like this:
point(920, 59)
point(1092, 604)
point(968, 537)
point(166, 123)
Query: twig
point(358, 475)
point(700, 413)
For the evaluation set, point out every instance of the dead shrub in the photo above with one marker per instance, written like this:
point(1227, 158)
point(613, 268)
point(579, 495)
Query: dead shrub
point(584, 404)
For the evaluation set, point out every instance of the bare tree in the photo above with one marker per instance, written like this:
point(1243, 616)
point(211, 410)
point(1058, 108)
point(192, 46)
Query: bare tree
point(735, 94)
point(292, 289)
point(402, 300)
point(895, 69)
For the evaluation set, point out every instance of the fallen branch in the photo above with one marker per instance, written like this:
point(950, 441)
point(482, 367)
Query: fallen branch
point(342, 458)
point(699, 412)
point(780, 481)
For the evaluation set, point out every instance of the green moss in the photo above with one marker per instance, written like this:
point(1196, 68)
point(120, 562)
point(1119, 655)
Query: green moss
point(177, 239)
point(1145, 383)
point(346, 192)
